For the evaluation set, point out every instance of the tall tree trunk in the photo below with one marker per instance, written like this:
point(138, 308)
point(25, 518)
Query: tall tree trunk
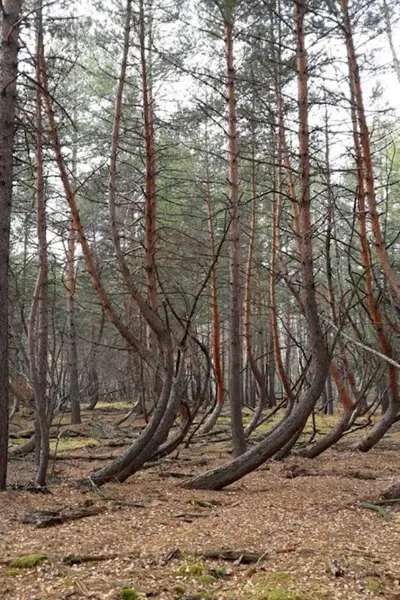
point(70, 284)
point(167, 405)
point(258, 375)
point(364, 182)
point(150, 177)
point(38, 322)
point(216, 326)
point(289, 426)
point(235, 358)
point(355, 83)
point(10, 28)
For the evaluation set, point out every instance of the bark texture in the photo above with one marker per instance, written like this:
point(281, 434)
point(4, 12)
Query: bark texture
point(10, 28)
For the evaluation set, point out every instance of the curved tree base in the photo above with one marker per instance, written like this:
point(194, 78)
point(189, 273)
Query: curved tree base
point(255, 418)
point(212, 419)
point(287, 448)
point(218, 478)
point(24, 449)
point(377, 432)
point(330, 439)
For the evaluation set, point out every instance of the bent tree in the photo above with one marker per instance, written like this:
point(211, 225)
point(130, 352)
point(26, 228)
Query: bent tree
point(294, 422)
point(10, 27)
point(169, 398)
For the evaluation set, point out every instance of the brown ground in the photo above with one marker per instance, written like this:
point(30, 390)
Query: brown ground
point(300, 524)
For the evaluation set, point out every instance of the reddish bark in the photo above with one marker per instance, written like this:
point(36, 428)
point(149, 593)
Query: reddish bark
point(366, 157)
point(363, 181)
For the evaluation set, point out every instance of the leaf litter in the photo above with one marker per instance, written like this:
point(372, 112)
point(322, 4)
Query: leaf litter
point(300, 532)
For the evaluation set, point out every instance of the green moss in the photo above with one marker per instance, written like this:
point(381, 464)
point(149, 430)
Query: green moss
point(11, 572)
point(206, 579)
point(363, 476)
point(128, 593)
point(28, 561)
point(72, 443)
point(279, 594)
point(280, 577)
point(26, 433)
point(14, 442)
point(374, 586)
point(180, 590)
point(89, 502)
point(201, 503)
point(189, 570)
point(224, 420)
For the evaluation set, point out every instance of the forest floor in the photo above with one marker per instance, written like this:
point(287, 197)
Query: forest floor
point(150, 538)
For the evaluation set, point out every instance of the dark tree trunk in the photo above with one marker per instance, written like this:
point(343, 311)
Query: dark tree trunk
point(235, 358)
point(8, 88)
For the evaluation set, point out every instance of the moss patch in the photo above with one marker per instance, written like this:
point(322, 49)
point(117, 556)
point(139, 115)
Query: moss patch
point(189, 570)
point(114, 405)
point(278, 594)
point(206, 579)
point(374, 586)
point(128, 593)
point(27, 561)
point(15, 442)
point(72, 443)
point(11, 572)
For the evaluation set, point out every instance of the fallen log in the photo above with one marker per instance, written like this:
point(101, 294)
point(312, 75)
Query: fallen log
point(244, 557)
point(78, 559)
point(50, 518)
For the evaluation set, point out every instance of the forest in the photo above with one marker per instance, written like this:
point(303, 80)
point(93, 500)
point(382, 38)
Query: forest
point(200, 299)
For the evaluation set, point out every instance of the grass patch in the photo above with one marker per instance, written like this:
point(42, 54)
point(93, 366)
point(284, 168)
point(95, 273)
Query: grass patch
point(72, 443)
point(189, 570)
point(11, 572)
point(128, 593)
point(27, 561)
point(374, 586)
point(206, 579)
point(15, 442)
point(114, 405)
point(278, 594)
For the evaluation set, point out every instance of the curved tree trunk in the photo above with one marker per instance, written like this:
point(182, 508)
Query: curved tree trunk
point(161, 432)
point(365, 188)
point(170, 445)
point(366, 158)
point(390, 417)
point(285, 451)
point(24, 449)
point(164, 411)
point(212, 418)
point(290, 425)
point(166, 404)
